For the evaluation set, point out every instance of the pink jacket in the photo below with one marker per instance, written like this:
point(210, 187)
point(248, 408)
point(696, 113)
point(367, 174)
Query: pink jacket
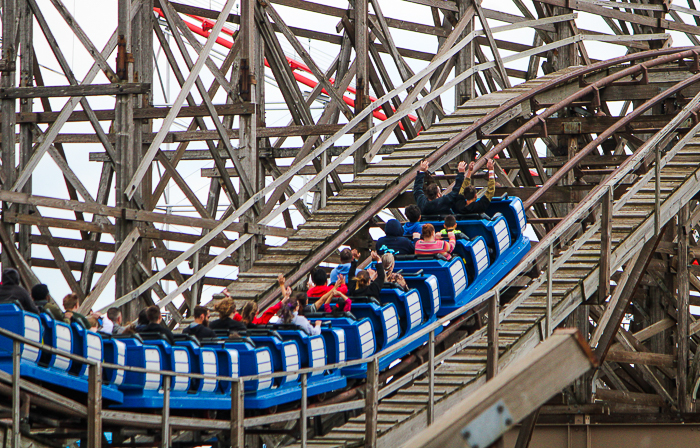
point(436, 247)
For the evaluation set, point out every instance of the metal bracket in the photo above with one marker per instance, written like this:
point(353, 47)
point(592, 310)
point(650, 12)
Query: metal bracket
point(488, 427)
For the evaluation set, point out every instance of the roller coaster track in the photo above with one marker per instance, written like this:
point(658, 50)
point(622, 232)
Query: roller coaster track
point(461, 369)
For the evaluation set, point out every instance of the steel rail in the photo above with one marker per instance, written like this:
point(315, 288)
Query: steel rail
point(401, 184)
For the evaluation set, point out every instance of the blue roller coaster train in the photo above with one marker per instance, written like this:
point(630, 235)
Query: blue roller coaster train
point(496, 243)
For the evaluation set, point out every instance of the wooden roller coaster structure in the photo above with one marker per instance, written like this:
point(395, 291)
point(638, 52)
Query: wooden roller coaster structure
point(589, 107)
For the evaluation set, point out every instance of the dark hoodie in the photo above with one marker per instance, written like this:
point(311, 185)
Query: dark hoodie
point(394, 242)
point(10, 291)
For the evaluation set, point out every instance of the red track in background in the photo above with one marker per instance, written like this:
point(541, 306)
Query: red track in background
point(207, 25)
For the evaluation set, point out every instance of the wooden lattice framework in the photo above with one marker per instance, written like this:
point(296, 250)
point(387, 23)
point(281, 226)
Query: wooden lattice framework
point(112, 224)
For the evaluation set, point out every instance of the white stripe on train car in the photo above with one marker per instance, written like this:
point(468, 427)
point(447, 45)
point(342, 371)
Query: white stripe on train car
point(291, 356)
point(502, 235)
point(94, 347)
point(391, 322)
point(433, 283)
point(152, 356)
point(32, 331)
point(517, 204)
point(481, 254)
point(182, 365)
point(366, 339)
point(318, 354)
point(340, 334)
point(233, 353)
point(64, 341)
point(459, 277)
point(414, 309)
point(264, 367)
point(209, 369)
point(120, 359)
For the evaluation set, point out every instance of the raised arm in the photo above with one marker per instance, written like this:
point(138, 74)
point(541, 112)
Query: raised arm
point(467, 178)
point(418, 194)
point(491, 187)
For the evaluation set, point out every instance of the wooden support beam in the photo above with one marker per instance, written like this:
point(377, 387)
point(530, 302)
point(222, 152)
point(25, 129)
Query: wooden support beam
point(74, 91)
point(618, 308)
point(606, 219)
point(111, 269)
point(642, 358)
point(520, 388)
point(682, 282)
point(635, 398)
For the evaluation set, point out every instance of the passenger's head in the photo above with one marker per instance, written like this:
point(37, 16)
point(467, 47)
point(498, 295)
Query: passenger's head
point(413, 213)
point(153, 314)
point(93, 323)
point(339, 307)
point(71, 302)
point(450, 222)
point(201, 315)
point(115, 315)
point(248, 312)
point(345, 256)
point(40, 292)
point(319, 277)
point(432, 191)
point(393, 228)
point(362, 279)
point(427, 231)
point(288, 309)
point(10, 276)
point(470, 194)
point(301, 298)
point(388, 262)
point(143, 318)
point(225, 308)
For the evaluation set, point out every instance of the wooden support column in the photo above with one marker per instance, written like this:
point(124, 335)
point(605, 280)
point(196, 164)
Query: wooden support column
point(8, 108)
point(371, 403)
point(237, 414)
point(682, 280)
point(492, 332)
point(26, 79)
point(605, 245)
point(250, 52)
point(142, 37)
point(361, 22)
point(464, 91)
point(126, 162)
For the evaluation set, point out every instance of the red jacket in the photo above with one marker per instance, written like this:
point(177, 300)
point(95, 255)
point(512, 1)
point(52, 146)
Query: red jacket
point(318, 291)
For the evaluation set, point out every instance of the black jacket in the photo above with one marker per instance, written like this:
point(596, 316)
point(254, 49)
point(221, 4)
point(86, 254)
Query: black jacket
point(478, 206)
point(10, 291)
point(199, 331)
point(227, 324)
point(440, 206)
point(394, 242)
point(156, 328)
point(371, 290)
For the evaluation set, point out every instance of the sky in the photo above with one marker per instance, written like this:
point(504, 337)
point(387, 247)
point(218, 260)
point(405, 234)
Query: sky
point(98, 19)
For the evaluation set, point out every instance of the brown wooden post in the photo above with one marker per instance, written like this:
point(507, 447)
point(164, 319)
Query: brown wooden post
point(605, 245)
point(431, 378)
point(237, 414)
point(94, 406)
point(682, 278)
point(165, 419)
point(16, 359)
point(492, 334)
point(126, 162)
point(248, 122)
point(26, 79)
point(303, 420)
point(8, 108)
point(465, 91)
point(371, 403)
point(362, 62)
